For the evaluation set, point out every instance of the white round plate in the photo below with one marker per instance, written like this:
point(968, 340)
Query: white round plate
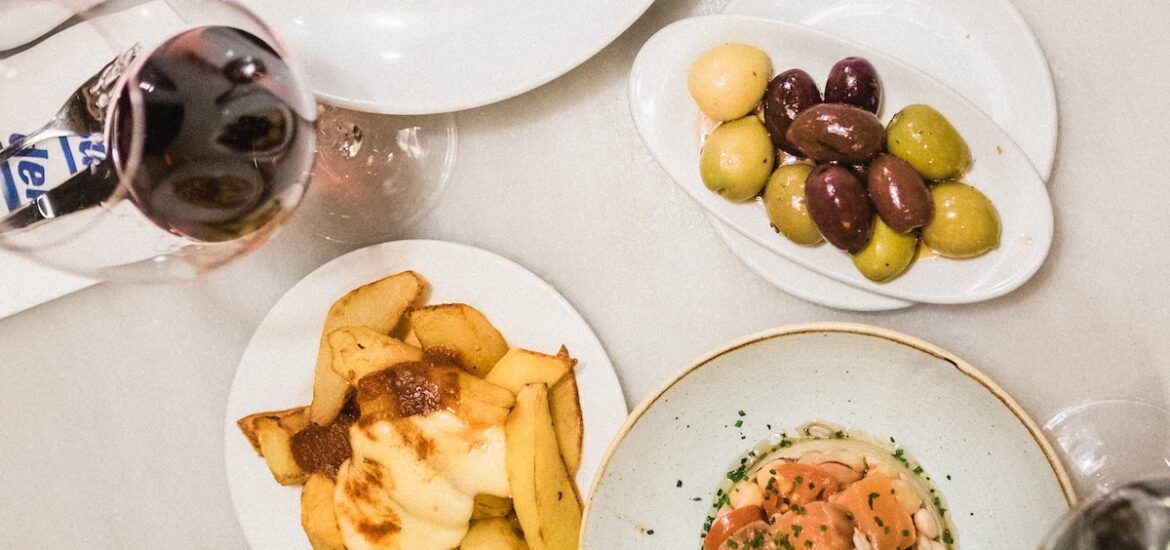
point(996, 51)
point(1002, 481)
point(412, 57)
point(276, 370)
point(666, 118)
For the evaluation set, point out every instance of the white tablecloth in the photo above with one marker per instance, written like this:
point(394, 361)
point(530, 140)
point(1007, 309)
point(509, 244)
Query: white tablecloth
point(111, 399)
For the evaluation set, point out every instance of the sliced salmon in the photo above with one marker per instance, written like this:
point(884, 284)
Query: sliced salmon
point(808, 484)
point(752, 536)
point(817, 526)
point(877, 513)
point(728, 524)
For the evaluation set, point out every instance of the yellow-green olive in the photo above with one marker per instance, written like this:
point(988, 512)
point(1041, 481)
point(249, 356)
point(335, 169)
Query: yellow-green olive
point(737, 159)
point(888, 253)
point(786, 206)
point(923, 137)
point(728, 81)
point(965, 223)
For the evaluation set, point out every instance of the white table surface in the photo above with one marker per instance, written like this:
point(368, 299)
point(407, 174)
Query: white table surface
point(111, 399)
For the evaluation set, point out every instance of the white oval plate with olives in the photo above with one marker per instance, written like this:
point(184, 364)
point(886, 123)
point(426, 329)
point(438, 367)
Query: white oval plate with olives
point(669, 122)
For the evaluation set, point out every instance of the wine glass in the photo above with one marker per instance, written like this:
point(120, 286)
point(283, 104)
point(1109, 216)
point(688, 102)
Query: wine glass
point(1134, 516)
point(1110, 442)
point(377, 174)
point(179, 136)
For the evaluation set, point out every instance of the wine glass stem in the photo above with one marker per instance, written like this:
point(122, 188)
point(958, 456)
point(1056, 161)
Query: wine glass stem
point(44, 133)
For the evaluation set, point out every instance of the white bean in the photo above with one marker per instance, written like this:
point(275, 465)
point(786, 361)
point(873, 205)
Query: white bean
point(746, 493)
point(936, 545)
point(925, 523)
point(860, 542)
point(922, 543)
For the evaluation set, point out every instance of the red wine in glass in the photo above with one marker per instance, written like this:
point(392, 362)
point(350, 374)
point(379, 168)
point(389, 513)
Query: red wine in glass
point(224, 149)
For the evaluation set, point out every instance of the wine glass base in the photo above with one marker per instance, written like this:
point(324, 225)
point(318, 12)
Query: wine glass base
point(376, 175)
point(1108, 443)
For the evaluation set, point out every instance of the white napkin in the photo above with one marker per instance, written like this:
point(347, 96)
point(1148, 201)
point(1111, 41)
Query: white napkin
point(36, 83)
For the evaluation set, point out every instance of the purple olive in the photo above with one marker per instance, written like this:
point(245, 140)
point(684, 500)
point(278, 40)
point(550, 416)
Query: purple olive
point(789, 93)
point(835, 132)
point(899, 194)
point(838, 206)
point(854, 81)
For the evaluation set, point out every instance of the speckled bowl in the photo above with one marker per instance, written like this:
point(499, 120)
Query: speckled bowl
point(1004, 483)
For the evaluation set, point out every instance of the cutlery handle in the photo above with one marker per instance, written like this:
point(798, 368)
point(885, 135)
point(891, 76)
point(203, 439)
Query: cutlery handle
point(85, 189)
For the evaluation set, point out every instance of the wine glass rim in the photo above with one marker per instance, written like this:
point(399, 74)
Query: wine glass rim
point(1074, 409)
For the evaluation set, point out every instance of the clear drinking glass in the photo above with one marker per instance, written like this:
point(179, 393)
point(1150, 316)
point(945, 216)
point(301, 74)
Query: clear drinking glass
point(175, 135)
point(1110, 442)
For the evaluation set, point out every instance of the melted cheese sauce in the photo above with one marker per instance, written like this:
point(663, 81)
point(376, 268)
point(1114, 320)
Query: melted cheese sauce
point(411, 482)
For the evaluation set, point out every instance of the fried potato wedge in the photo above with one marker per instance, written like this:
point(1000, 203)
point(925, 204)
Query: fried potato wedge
point(378, 305)
point(317, 517)
point(411, 339)
point(276, 448)
point(483, 403)
point(490, 506)
point(478, 389)
point(519, 367)
point(542, 492)
point(358, 351)
point(461, 332)
point(565, 406)
point(492, 534)
point(292, 420)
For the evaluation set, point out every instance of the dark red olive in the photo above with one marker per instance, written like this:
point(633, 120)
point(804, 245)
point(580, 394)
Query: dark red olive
point(898, 193)
point(838, 205)
point(789, 93)
point(854, 81)
point(835, 132)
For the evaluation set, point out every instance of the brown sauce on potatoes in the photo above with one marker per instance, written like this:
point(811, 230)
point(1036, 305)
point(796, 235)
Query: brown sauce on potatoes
point(408, 389)
point(322, 449)
point(404, 390)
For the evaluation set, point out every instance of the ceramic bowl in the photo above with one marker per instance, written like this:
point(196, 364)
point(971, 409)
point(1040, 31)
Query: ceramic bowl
point(1003, 482)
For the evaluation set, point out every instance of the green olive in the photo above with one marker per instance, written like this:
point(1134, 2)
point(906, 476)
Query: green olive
point(965, 223)
point(923, 137)
point(787, 209)
point(737, 159)
point(728, 81)
point(888, 253)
